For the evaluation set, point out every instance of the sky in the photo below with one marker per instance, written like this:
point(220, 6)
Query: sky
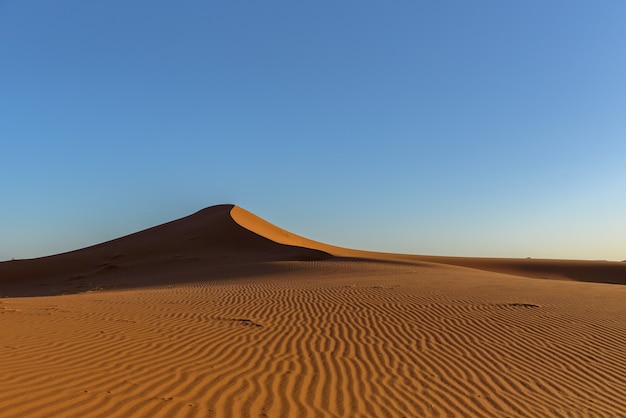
point(482, 128)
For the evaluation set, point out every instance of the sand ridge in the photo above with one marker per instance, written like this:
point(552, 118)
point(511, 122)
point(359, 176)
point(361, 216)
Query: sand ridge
point(221, 314)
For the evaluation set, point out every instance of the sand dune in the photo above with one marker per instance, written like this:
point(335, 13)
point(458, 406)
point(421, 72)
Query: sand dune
point(221, 314)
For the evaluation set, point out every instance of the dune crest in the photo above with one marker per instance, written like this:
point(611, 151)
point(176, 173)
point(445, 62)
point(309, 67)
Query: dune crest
point(272, 232)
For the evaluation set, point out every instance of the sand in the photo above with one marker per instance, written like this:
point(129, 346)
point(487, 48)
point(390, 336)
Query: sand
point(221, 314)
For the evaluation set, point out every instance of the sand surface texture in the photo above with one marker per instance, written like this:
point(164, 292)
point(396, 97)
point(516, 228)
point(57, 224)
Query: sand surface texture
point(221, 314)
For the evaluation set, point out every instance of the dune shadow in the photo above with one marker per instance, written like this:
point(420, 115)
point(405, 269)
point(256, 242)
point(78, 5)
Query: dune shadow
point(165, 273)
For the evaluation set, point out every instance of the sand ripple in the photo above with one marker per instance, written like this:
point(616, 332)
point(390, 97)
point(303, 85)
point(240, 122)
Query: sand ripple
point(320, 339)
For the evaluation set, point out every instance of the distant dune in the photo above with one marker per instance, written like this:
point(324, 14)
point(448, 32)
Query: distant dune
point(222, 314)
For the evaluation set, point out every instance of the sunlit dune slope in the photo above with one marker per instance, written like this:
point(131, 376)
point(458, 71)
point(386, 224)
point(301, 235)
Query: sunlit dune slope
point(578, 270)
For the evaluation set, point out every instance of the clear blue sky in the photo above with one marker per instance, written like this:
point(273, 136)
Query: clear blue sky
point(482, 128)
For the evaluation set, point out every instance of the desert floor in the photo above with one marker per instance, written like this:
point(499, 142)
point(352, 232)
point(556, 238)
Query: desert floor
point(223, 315)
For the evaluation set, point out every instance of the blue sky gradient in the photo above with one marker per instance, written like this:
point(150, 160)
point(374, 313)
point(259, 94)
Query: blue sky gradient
point(481, 128)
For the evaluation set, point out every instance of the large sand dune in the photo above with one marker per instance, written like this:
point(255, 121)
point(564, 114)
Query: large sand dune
point(221, 314)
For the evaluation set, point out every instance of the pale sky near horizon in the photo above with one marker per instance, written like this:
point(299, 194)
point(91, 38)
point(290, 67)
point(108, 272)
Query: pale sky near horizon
point(482, 128)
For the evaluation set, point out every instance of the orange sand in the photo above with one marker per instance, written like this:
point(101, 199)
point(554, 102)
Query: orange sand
point(221, 314)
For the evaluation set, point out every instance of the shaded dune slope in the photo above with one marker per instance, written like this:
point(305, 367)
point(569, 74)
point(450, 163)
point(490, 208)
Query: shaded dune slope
point(168, 253)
